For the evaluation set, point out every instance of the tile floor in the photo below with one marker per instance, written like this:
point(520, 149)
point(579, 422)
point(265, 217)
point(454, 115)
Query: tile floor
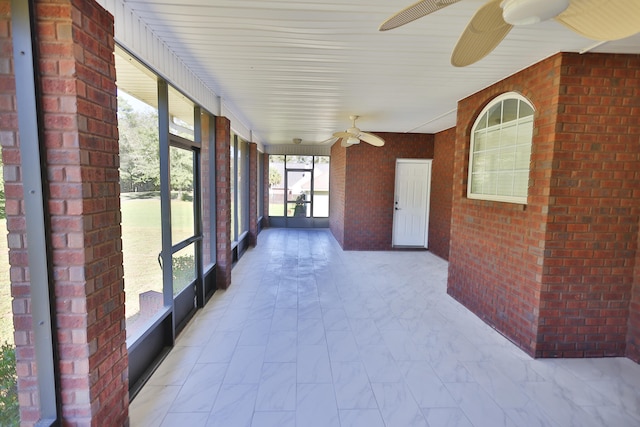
point(309, 335)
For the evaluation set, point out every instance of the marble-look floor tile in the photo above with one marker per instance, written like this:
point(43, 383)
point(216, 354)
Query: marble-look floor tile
point(282, 347)
point(361, 418)
point(503, 390)
point(559, 404)
point(220, 347)
point(176, 367)
point(234, 406)
point(447, 417)
point(309, 309)
point(426, 387)
point(179, 419)
point(366, 332)
point(313, 364)
point(352, 386)
point(342, 346)
point(199, 391)
point(309, 334)
point(335, 319)
point(256, 332)
point(274, 419)
point(197, 333)
point(151, 405)
point(478, 406)
point(380, 365)
point(627, 392)
point(245, 366)
point(611, 416)
point(277, 389)
point(397, 406)
point(531, 415)
point(284, 319)
point(316, 406)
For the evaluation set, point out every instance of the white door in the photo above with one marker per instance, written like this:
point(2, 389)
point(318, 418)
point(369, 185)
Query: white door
point(411, 206)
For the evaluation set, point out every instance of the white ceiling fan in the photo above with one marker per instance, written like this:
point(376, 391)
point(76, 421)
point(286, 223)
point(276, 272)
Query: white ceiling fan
point(353, 136)
point(603, 20)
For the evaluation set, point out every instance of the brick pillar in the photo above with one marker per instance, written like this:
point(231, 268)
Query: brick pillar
point(633, 333)
point(253, 194)
point(592, 227)
point(223, 203)
point(207, 179)
point(77, 80)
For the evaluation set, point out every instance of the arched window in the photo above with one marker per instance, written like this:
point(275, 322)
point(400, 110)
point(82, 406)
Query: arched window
point(501, 150)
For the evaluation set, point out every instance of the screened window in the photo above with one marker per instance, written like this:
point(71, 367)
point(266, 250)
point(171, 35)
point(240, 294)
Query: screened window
point(139, 193)
point(181, 118)
point(501, 150)
point(299, 186)
point(242, 186)
point(260, 192)
point(233, 235)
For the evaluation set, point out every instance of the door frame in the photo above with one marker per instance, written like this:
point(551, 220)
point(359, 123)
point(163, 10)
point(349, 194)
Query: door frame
point(429, 164)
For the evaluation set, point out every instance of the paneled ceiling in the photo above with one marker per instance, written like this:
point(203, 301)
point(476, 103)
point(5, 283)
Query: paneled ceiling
point(299, 68)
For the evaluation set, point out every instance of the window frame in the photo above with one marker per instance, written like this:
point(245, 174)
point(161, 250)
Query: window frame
point(500, 99)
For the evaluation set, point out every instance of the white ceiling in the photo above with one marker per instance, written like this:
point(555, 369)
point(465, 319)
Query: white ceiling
point(298, 69)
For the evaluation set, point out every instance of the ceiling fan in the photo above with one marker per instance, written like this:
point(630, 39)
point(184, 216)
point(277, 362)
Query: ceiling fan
point(353, 136)
point(603, 20)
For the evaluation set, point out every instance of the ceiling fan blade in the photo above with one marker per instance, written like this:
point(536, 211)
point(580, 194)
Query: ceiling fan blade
point(484, 32)
point(602, 19)
point(329, 141)
point(344, 135)
point(413, 12)
point(372, 139)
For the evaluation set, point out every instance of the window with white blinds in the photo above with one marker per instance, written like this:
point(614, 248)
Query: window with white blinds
point(501, 150)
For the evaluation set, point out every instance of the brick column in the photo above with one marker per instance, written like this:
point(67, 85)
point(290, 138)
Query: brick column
point(633, 333)
point(207, 179)
point(253, 194)
point(592, 228)
point(77, 80)
point(223, 203)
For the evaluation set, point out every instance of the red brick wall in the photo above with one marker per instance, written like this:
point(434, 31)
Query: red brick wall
point(253, 194)
point(555, 275)
point(337, 186)
point(223, 203)
point(441, 192)
point(594, 208)
point(633, 334)
point(207, 179)
point(77, 79)
point(497, 249)
point(370, 186)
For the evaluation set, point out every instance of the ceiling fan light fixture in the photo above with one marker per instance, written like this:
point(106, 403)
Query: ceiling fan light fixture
point(527, 12)
point(353, 140)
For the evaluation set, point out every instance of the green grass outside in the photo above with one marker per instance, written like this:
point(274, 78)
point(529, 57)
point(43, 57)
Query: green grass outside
point(141, 244)
point(276, 209)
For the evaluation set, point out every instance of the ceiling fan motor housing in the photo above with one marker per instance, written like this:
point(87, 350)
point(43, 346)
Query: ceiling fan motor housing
point(526, 12)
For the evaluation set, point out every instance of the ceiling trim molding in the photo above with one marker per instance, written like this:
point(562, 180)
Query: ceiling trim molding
point(299, 150)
